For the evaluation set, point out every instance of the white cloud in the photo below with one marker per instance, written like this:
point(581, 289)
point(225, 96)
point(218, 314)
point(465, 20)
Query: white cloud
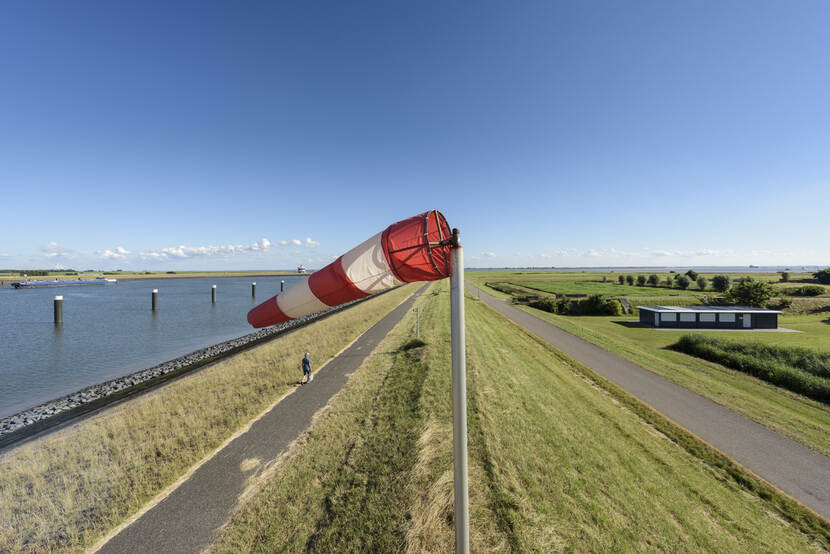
point(2, 255)
point(184, 252)
point(311, 243)
point(120, 253)
point(489, 254)
point(55, 250)
point(293, 242)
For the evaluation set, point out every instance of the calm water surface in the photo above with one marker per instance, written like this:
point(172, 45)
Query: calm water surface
point(109, 331)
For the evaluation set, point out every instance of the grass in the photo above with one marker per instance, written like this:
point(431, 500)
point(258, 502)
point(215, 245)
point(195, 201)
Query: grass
point(559, 460)
point(798, 369)
point(592, 283)
point(802, 419)
point(63, 491)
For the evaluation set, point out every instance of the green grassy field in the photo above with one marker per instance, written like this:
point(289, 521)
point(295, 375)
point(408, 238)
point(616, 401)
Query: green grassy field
point(795, 416)
point(63, 491)
point(592, 283)
point(560, 460)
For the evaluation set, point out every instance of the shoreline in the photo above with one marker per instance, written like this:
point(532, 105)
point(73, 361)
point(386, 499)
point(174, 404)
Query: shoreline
point(47, 415)
point(7, 281)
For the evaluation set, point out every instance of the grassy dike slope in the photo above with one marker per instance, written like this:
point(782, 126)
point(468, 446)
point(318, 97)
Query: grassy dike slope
point(793, 415)
point(63, 491)
point(560, 460)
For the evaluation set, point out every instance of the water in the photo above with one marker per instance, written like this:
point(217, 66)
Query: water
point(109, 331)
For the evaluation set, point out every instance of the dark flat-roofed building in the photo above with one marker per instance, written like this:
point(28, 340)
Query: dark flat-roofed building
point(708, 317)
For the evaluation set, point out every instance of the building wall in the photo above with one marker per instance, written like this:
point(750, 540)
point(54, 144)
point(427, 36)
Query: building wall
point(759, 321)
point(765, 321)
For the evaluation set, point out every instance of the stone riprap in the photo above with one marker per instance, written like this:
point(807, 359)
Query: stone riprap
point(101, 391)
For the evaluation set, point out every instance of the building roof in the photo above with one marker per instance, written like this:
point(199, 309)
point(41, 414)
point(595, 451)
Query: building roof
point(709, 309)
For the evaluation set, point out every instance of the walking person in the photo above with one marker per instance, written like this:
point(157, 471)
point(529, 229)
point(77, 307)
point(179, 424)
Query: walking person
point(307, 370)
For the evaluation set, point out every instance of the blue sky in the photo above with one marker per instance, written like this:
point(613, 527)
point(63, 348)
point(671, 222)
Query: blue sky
point(207, 135)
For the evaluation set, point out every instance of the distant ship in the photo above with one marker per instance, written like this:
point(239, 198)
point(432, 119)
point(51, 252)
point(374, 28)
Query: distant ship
point(753, 266)
point(56, 283)
point(301, 269)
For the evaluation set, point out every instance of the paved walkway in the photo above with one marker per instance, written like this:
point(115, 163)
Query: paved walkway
point(187, 519)
point(790, 466)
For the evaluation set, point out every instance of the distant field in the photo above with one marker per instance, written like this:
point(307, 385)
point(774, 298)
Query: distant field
point(592, 283)
point(560, 460)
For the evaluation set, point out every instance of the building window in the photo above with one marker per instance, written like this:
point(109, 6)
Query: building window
point(727, 318)
point(668, 317)
point(687, 317)
point(707, 318)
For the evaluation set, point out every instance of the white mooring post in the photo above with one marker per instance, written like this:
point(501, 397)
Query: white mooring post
point(58, 305)
point(459, 401)
point(253, 289)
point(155, 301)
point(213, 294)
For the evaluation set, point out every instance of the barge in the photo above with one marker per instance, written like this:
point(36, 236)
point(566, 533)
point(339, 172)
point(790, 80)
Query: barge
point(56, 283)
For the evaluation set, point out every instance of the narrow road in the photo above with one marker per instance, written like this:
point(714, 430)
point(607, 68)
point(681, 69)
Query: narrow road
point(186, 520)
point(792, 467)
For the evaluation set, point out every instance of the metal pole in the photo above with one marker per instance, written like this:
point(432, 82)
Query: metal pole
point(459, 401)
point(417, 322)
point(253, 288)
point(58, 310)
point(155, 299)
point(282, 286)
point(213, 294)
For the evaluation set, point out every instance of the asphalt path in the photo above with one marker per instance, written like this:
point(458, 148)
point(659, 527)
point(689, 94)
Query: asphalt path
point(187, 519)
point(792, 467)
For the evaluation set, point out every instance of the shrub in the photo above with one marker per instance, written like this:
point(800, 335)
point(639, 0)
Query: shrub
point(596, 304)
point(629, 279)
point(785, 276)
point(669, 282)
point(823, 276)
point(782, 303)
point(613, 307)
point(641, 280)
point(683, 282)
point(751, 292)
point(721, 283)
point(621, 279)
point(806, 290)
point(812, 290)
point(545, 304)
point(702, 283)
point(653, 280)
point(692, 274)
point(564, 305)
point(800, 370)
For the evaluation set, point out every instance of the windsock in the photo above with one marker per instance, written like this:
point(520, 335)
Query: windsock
point(416, 249)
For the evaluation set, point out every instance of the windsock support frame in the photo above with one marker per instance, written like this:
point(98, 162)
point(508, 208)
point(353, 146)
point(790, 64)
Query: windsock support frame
point(459, 398)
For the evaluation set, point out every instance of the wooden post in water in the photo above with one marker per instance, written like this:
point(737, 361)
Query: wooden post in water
point(253, 289)
point(155, 299)
point(213, 294)
point(282, 286)
point(58, 310)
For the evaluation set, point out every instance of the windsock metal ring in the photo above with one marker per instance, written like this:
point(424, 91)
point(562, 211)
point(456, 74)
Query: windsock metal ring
point(415, 249)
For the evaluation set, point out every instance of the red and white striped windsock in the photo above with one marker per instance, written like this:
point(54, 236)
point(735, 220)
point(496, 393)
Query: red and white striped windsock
point(415, 249)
